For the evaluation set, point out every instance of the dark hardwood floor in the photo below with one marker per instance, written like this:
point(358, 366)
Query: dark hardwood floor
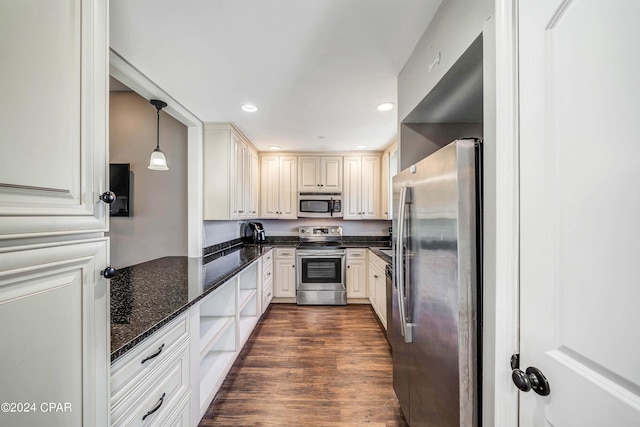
point(310, 366)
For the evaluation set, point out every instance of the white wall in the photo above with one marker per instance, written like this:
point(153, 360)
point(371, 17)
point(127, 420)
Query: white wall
point(158, 226)
point(220, 231)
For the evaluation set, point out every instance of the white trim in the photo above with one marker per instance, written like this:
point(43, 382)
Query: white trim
point(507, 213)
point(143, 86)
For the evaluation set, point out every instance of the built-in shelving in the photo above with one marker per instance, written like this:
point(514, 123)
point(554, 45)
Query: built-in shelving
point(227, 317)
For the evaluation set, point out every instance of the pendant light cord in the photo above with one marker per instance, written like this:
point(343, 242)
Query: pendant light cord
point(158, 130)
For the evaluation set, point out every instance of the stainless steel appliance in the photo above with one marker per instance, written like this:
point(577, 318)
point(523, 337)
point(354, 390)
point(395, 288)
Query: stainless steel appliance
point(321, 266)
point(319, 205)
point(435, 332)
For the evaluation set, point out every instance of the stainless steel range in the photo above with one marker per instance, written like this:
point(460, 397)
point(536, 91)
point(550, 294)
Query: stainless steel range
point(321, 262)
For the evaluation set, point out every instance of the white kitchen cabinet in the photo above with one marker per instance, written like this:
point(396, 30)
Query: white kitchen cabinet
point(357, 273)
point(53, 302)
point(227, 317)
point(230, 174)
point(278, 187)
point(152, 379)
point(53, 130)
point(361, 197)
point(378, 287)
point(320, 173)
point(285, 273)
point(385, 206)
point(267, 280)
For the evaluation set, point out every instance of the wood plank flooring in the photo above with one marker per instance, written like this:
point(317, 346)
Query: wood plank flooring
point(310, 366)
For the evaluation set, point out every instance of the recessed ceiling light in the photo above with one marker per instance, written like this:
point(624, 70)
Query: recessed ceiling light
point(274, 147)
point(385, 106)
point(249, 108)
point(360, 147)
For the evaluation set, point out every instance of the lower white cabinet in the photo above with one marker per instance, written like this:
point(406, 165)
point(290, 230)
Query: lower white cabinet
point(267, 280)
point(356, 273)
point(285, 273)
point(171, 377)
point(150, 382)
point(53, 338)
point(378, 287)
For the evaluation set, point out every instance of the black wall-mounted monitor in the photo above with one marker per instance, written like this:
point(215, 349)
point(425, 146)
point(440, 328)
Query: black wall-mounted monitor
point(120, 183)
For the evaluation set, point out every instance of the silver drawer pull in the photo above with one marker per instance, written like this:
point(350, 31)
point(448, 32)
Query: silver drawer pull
point(154, 355)
point(156, 408)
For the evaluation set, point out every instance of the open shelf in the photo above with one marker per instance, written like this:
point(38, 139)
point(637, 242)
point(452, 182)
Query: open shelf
point(245, 296)
point(213, 368)
point(211, 330)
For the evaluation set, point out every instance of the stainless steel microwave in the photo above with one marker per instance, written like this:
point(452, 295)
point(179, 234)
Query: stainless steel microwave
point(319, 205)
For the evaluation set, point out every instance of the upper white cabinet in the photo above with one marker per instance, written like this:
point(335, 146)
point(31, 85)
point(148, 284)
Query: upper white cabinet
point(361, 196)
point(278, 187)
point(230, 174)
point(53, 130)
point(317, 173)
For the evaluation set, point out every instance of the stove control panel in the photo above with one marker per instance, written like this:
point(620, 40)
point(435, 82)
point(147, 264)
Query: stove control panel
point(328, 233)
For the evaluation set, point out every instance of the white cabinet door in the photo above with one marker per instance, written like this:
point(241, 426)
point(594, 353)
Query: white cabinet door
point(308, 173)
point(237, 185)
point(357, 273)
point(53, 117)
point(370, 195)
point(385, 207)
point(285, 278)
point(579, 214)
point(54, 306)
point(352, 188)
point(331, 174)
point(252, 204)
point(288, 188)
point(269, 186)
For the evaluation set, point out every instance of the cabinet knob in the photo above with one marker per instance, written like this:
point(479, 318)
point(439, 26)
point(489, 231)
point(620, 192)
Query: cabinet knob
point(108, 197)
point(108, 272)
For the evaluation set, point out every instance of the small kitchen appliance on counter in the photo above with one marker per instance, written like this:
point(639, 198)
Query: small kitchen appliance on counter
point(254, 233)
point(321, 266)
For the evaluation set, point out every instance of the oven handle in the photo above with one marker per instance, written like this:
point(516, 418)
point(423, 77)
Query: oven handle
point(323, 254)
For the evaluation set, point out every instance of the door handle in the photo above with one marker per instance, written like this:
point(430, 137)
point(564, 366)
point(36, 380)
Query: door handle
point(531, 379)
point(406, 331)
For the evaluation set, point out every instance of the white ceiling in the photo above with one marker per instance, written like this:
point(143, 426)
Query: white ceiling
point(315, 69)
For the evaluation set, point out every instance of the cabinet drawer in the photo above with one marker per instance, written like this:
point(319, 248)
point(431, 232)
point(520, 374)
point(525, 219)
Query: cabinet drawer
point(267, 294)
point(356, 253)
point(181, 415)
point(156, 396)
point(146, 356)
point(285, 252)
point(267, 273)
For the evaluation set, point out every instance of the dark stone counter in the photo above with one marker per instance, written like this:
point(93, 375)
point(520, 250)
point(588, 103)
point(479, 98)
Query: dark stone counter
point(146, 296)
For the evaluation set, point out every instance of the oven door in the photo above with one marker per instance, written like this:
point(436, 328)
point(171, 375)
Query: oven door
point(321, 277)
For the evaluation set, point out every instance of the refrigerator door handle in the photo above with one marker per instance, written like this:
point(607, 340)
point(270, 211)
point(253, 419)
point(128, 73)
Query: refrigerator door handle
point(400, 276)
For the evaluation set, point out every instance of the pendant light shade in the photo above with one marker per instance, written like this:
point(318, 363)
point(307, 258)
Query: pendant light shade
point(158, 161)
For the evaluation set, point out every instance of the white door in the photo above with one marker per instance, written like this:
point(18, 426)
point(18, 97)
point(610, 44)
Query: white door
point(580, 210)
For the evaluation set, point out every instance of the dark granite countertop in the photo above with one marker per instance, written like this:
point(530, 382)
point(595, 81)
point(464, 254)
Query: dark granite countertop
point(146, 296)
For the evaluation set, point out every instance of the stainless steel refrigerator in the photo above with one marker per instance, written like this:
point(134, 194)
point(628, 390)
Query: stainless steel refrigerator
point(435, 332)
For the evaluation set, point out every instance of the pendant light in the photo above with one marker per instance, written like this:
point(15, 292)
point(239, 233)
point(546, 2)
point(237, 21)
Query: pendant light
point(158, 161)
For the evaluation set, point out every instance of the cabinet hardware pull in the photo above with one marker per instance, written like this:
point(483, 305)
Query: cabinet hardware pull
point(269, 274)
point(156, 408)
point(108, 197)
point(348, 266)
point(375, 275)
point(154, 355)
point(108, 272)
